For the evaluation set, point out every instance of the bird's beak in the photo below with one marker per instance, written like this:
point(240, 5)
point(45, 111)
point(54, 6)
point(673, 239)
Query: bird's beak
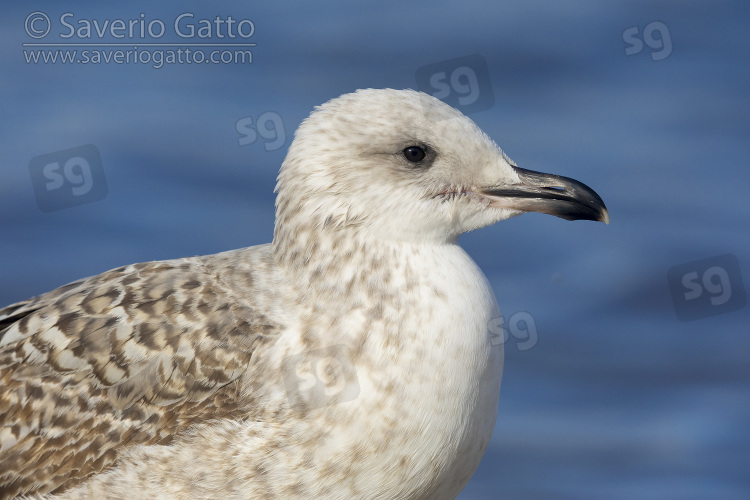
point(549, 194)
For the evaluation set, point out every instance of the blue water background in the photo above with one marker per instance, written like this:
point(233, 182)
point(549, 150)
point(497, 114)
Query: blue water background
point(618, 399)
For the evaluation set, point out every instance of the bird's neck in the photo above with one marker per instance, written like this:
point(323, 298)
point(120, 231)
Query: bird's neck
point(342, 264)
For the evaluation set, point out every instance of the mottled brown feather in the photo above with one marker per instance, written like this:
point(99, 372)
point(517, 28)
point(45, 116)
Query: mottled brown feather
point(135, 355)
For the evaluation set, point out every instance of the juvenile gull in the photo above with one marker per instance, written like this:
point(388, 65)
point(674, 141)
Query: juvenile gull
point(348, 359)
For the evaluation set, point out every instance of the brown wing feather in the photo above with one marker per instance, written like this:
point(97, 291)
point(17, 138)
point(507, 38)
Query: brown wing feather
point(131, 356)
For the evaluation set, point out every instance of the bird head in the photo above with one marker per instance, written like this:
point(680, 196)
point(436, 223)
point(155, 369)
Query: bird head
point(402, 165)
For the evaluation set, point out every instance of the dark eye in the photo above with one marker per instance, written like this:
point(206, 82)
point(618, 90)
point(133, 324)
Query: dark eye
point(414, 154)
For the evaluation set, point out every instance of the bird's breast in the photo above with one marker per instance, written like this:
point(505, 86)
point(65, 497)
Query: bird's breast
point(407, 374)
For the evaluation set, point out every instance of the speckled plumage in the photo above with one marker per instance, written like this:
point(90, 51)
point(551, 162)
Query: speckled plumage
point(172, 379)
point(135, 355)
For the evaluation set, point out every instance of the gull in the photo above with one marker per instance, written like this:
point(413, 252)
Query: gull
point(350, 358)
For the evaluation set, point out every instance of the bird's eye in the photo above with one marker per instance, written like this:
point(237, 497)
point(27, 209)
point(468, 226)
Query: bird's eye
point(414, 154)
